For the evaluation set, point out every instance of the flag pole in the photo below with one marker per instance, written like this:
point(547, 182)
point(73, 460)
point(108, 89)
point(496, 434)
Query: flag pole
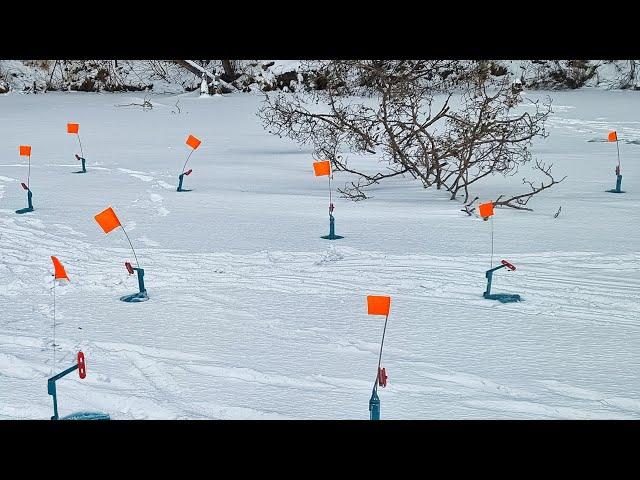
point(185, 163)
point(384, 331)
point(618, 147)
point(131, 245)
point(491, 242)
point(330, 175)
point(81, 152)
point(54, 322)
point(29, 171)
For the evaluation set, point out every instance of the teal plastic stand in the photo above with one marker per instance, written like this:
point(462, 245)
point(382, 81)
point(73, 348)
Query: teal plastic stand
point(181, 179)
point(501, 297)
point(29, 202)
point(51, 390)
point(374, 405)
point(332, 230)
point(84, 168)
point(618, 185)
point(141, 296)
point(87, 416)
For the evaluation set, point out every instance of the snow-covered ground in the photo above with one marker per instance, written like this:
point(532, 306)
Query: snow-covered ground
point(252, 315)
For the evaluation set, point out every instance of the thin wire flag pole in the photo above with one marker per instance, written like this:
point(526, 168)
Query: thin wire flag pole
point(491, 242)
point(330, 200)
point(384, 331)
point(29, 172)
point(131, 245)
point(185, 163)
point(618, 147)
point(81, 152)
point(54, 323)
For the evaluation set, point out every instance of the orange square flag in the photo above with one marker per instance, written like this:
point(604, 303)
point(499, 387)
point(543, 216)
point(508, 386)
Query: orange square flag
point(193, 142)
point(107, 220)
point(486, 209)
point(378, 304)
point(73, 127)
point(25, 150)
point(60, 272)
point(613, 136)
point(322, 168)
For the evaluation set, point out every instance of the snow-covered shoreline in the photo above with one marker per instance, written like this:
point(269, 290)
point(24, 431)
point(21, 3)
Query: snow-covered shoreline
point(164, 76)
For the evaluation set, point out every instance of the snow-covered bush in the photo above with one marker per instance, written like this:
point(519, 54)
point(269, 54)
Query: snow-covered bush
point(448, 124)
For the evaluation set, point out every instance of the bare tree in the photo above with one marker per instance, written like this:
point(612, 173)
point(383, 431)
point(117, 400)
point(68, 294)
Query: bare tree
point(229, 69)
point(448, 124)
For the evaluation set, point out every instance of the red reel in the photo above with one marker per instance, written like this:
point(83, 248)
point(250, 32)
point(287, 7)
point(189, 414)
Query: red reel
point(188, 172)
point(382, 377)
point(129, 268)
point(24, 185)
point(508, 265)
point(82, 367)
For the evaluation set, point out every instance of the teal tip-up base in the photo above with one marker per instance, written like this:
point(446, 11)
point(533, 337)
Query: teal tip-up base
point(135, 297)
point(87, 416)
point(29, 207)
point(618, 188)
point(503, 297)
point(332, 230)
point(180, 180)
point(141, 296)
point(374, 406)
point(84, 168)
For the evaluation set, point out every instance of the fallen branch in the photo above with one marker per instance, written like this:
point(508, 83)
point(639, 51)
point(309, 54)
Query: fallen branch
point(172, 111)
point(468, 209)
point(146, 104)
point(198, 71)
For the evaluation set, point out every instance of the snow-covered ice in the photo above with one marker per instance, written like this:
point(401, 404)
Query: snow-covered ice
point(252, 315)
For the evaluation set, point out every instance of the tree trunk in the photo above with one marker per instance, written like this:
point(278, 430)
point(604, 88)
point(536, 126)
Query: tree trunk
point(228, 70)
point(192, 69)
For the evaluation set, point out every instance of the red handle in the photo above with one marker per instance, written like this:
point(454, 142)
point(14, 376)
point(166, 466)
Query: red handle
point(24, 185)
point(82, 367)
point(508, 265)
point(382, 377)
point(188, 172)
point(129, 268)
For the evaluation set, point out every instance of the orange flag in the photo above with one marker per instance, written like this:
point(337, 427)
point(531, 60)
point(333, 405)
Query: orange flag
point(25, 150)
point(486, 209)
point(322, 168)
point(73, 127)
point(60, 272)
point(613, 136)
point(378, 305)
point(193, 142)
point(107, 220)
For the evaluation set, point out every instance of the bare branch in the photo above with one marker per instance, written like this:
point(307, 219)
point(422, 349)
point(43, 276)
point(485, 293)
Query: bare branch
point(402, 125)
